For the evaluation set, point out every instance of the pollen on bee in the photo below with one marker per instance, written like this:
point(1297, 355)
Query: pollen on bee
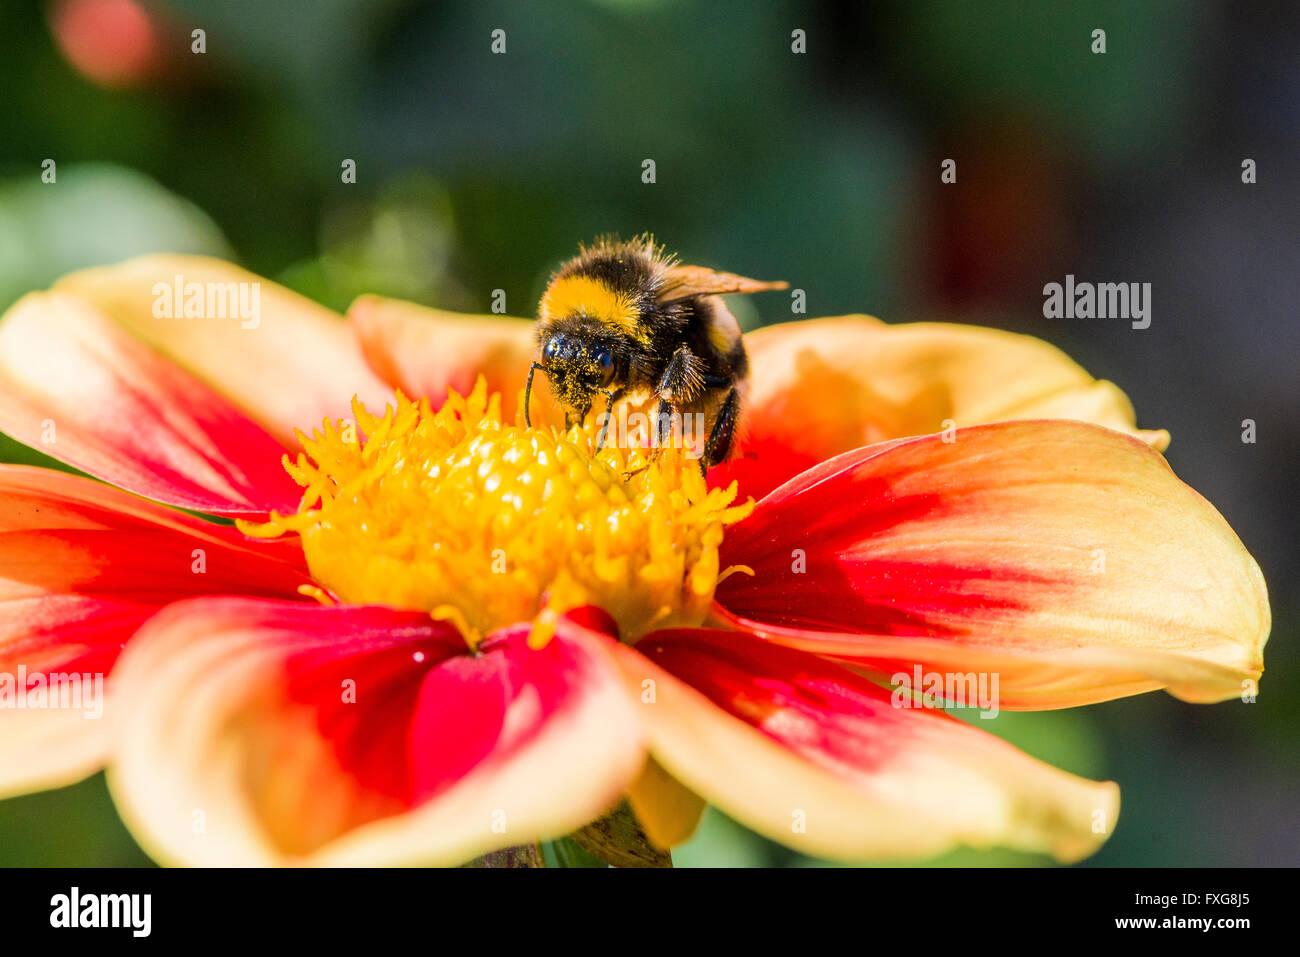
point(485, 524)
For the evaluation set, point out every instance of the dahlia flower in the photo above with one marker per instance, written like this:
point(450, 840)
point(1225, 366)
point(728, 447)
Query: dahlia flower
point(434, 633)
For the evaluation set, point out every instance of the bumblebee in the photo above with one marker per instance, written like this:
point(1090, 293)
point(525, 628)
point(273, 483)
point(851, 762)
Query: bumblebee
point(623, 321)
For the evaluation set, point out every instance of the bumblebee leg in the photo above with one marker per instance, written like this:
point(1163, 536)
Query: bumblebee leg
point(663, 426)
point(680, 382)
point(724, 429)
point(528, 393)
point(611, 397)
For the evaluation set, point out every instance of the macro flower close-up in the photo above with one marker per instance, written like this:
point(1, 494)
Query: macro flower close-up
point(352, 608)
point(536, 453)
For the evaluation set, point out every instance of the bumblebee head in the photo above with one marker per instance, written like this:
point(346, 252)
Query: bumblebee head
point(578, 366)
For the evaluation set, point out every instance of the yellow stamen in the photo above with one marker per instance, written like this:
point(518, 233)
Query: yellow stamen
point(486, 524)
point(735, 570)
point(452, 614)
point(314, 591)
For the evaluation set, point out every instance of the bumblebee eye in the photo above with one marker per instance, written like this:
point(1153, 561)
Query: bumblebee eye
point(552, 348)
point(605, 361)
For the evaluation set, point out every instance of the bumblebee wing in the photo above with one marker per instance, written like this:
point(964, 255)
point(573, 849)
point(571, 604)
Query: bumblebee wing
point(683, 282)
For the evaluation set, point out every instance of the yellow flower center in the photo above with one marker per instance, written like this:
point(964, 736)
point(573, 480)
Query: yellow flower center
point(487, 524)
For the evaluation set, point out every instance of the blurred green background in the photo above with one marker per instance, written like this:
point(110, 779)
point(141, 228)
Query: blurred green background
point(478, 172)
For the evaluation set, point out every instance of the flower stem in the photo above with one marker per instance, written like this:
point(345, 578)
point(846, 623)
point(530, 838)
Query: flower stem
point(619, 840)
point(522, 855)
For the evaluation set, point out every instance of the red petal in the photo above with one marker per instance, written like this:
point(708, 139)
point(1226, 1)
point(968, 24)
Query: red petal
point(358, 734)
point(75, 386)
point(820, 759)
point(82, 566)
point(1065, 556)
point(291, 365)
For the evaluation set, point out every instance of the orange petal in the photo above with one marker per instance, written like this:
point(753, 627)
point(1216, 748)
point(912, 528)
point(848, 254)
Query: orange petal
point(826, 386)
point(424, 352)
point(819, 759)
point(258, 732)
point(1066, 557)
point(289, 364)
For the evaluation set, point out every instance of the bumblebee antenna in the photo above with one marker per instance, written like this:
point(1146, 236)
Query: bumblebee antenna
point(528, 392)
